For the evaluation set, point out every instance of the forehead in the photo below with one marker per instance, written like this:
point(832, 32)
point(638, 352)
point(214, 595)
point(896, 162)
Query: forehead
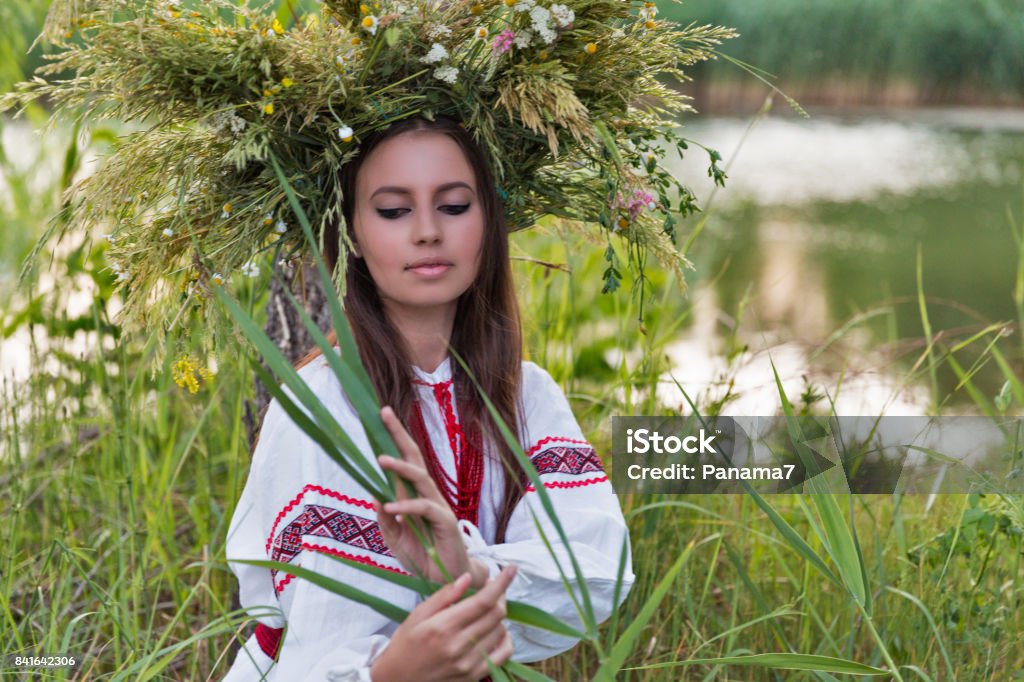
point(415, 160)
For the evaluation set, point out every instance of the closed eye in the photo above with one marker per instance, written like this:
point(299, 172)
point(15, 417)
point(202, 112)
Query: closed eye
point(394, 213)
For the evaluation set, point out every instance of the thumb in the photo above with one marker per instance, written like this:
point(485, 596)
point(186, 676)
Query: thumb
point(440, 600)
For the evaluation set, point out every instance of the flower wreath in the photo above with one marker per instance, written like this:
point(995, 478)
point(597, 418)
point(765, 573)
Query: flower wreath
point(567, 99)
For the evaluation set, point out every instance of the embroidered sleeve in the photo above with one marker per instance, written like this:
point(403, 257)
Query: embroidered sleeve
point(298, 507)
point(589, 512)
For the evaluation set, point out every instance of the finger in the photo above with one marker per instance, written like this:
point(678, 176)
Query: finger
point(407, 446)
point(499, 655)
point(442, 599)
point(434, 513)
point(473, 608)
point(415, 474)
point(390, 527)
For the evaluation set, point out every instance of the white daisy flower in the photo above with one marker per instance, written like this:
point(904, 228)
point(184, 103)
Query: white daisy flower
point(251, 269)
point(217, 278)
point(345, 133)
point(168, 232)
point(281, 227)
point(369, 22)
point(524, 5)
point(437, 53)
point(448, 74)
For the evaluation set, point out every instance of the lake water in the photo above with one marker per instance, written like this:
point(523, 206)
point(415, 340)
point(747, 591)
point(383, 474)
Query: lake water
point(821, 221)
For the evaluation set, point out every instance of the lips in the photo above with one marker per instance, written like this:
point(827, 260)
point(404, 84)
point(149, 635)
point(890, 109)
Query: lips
point(429, 264)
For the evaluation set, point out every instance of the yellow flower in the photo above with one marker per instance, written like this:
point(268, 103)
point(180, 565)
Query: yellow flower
point(649, 24)
point(623, 223)
point(287, 82)
point(226, 213)
point(278, 28)
point(266, 92)
point(477, 9)
point(364, 9)
point(510, 3)
point(184, 373)
point(175, 13)
point(542, 55)
point(268, 108)
point(590, 48)
point(356, 40)
point(481, 32)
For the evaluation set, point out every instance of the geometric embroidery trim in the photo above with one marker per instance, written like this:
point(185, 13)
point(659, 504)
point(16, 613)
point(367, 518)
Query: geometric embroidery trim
point(572, 460)
point(329, 523)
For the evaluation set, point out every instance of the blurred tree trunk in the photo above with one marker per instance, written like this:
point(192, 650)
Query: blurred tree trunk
point(286, 329)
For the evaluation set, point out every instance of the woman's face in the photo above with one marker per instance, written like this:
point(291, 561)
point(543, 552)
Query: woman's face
point(418, 221)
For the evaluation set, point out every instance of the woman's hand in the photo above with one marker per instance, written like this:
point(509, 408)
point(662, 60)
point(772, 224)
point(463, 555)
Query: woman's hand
point(445, 639)
point(430, 508)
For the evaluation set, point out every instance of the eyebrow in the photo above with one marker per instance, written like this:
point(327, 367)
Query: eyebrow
point(404, 190)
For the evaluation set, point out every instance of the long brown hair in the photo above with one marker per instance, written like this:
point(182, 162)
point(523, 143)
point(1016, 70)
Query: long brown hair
point(486, 335)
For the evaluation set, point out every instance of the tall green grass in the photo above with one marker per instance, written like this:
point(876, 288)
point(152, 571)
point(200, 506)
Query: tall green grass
point(937, 48)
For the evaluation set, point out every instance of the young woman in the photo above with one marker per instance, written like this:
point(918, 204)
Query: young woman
point(429, 271)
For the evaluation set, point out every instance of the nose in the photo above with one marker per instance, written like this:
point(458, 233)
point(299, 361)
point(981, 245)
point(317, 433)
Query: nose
point(427, 228)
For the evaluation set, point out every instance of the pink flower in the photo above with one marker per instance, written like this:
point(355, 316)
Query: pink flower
point(503, 41)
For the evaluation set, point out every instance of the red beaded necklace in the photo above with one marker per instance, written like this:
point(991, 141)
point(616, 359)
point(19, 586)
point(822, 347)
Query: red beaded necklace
point(463, 492)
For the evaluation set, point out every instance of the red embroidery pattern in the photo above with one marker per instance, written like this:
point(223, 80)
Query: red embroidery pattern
point(336, 552)
point(568, 484)
point(575, 459)
point(567, 460)
point(365, 504)
point(326, 522)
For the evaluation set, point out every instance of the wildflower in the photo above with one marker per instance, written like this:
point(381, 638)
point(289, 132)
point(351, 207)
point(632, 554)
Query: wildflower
point(590, 48)
point(436, 54)
point(563, 15)
point(510, 3)
point(476, 9)
point(542, 55)
point(269, 218)
point(119, 270)
point(541, 19)
point(187, 372)
point(287, 82)
point(649, 24)
point(356, 40)
point(281, 227)
point(168, 232)
point(268, 108)
point(217, 278)
point(503, 41)
point(277, 27)
point(345, 133)
point(110, 238)
point(364, 9)
point(524, 5)
point(370, 24)
point(448, 74)
point(622, 224)
point(251, 269)
point(226, 212)
point(481, 32)
point(523, 39)
point(438, 31)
